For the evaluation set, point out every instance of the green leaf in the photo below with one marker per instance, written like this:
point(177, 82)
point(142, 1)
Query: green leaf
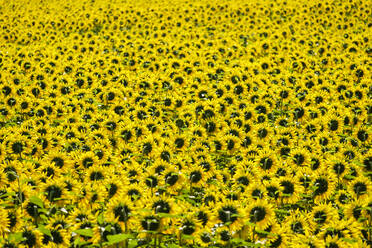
point(237, 240)
point(249, 223)
point(80, 242)
point(349, 177)
point(37, 201)
point(266, 233)
point(100, 219)
point(358, 163)
point(350, 241)
point(85, 232)
point(172, 245)
point(165, 215)
point(16, 237)
point(188, 237)
point(133, 243)
point(117, 238)
point(245, 243)
point(108, 228)
point(44, 230)
point(145, 210)
point(281, 211)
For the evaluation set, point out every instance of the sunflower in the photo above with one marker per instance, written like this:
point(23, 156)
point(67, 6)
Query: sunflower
point(300, 157)
point(260, 213)
point(16, 145)
point(342, 197)
point(196, 175)
point(4, 182)
point(263, 132)
point(322, 186)
point(225, 235)
point(204, 239)
point(4, 220)
point(298, 223)
point(148, 224)
point(339, 229)
point(362, 134)
point(281, 239)
point(304, 177)
point(148, 146)
point(359, 187)
point(266, 162)
point(49, 171)
point(205, 216)
point(180, 142)
point(335, 242)
point(135, 191)
point(211, 196)
point(338, 166)
point(97, 175)
point(158, 167)
point(323, 214)
point(316, 162)
point(86, 159)
point(163, 205)
point(255, 191)
point(81, 217)
point(301, 240)
point(115, 187)
point(242, 178)
point(54, 191)
point(290, 190)
point(230, 214)
point(355, 210)
point(122, 209)
point(273, 190)
point(230, 143)
point(31, 238)
point(58, 238)
point(59, 159)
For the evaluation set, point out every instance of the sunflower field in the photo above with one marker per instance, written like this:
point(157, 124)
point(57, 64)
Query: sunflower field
point(185, 123)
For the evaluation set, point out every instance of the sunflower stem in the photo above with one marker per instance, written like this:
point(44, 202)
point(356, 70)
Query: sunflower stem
point(253, 233)
point(20, 193)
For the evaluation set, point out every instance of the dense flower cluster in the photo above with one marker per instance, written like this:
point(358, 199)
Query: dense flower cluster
point(187, 123)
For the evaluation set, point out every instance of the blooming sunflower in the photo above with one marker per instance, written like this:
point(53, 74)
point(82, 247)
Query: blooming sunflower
point(322, 186)
point(204, 239)
point(196, 175)
point(354, 210)
point(323, 214)
point(359, 187)
point(260, 213)
point(281, 239)
point(267, 162)
point(290, 190)
point(301, 240)
point(255, 191)
point(230, 214)
point(298, 223)
point(123, 210)
point(5, 222)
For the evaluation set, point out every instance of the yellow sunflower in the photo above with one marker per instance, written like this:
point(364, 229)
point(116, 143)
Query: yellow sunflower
point(260, 213)
point(322, 186)
point(5, 222)
point(230, 214)
point(323, 214)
